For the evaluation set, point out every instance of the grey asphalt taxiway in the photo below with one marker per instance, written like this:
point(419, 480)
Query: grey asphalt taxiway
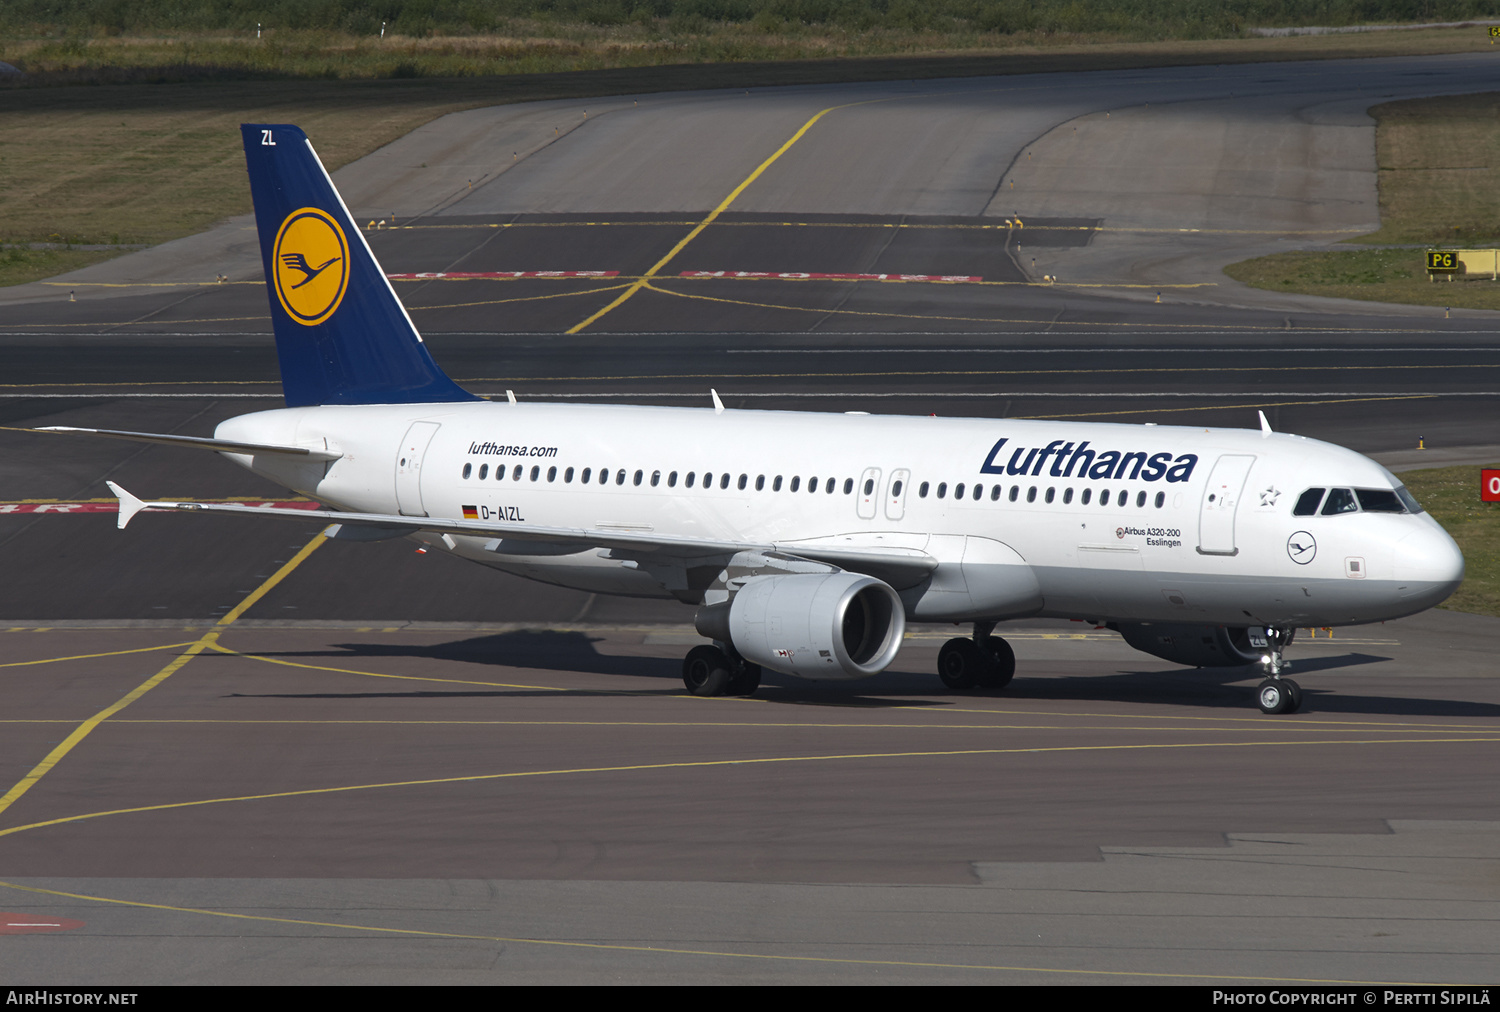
point(238, 758)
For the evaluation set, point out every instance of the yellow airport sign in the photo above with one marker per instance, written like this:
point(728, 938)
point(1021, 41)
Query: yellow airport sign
point(1464, 261)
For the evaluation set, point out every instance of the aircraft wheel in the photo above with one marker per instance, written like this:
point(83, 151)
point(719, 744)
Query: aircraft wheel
point(960, 664)
point(997, 675)
point(1273, 696)
point(705, 671)
point(746, 682)
point(1294, 693)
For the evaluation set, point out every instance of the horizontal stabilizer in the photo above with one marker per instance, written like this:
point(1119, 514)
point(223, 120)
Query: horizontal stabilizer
point(129, 505)
point(196, 442)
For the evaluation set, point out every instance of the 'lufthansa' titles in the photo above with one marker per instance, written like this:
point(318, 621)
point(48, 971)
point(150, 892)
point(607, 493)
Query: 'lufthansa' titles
point(1067, 458)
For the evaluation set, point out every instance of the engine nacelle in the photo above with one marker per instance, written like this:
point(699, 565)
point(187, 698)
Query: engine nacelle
point(1202, 646)
point(831, 625)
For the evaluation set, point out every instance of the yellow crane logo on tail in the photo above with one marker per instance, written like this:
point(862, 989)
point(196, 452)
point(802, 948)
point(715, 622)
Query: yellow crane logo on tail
point(310, 265)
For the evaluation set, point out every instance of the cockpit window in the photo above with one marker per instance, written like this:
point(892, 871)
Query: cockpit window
point(1408, 500)
point(1340, 500)
point(1379, 500)
point(1307, 502)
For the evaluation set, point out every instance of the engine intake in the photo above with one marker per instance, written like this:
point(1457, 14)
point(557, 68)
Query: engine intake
point(834, 625)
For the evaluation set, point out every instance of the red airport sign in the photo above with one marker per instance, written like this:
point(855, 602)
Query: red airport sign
point(1489, 484)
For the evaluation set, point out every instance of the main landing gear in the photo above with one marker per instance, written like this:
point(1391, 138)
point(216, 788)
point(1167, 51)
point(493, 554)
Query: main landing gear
point(710, 671)
point(983, 662)
point(1277, 694)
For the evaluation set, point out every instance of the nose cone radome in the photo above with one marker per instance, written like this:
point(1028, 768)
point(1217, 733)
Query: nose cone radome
point(1428, 565)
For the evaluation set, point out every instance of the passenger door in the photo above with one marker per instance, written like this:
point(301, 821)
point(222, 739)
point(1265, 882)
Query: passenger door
point(1220, 500)
point(409, 468)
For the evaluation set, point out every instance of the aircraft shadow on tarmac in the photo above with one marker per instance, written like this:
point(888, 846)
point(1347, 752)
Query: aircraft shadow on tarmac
point(545, 650)
point(549, 650)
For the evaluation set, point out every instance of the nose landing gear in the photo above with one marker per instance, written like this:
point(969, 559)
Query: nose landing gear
point(1277, 694)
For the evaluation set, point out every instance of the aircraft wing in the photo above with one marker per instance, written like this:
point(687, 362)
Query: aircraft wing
point(196, 442)
point(900, 566)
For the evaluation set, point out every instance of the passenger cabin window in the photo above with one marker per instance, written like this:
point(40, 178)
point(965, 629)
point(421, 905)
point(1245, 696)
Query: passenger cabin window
point(536, 472)
point(832, 482)
point(958, 490)
point(942, 489)
point(690, 478)
point(620, 476)
point(568, 476)
point(776, 484)
point(655, 478)
point(1068, 496)
point(588, 473)
point(637, 479)
point(744, 480)
point(484, 471)
point(1161, 498)
point(1084, 499)
point(1050, 493)
point(896, 489)
point(849, 486)
point(724, 480)
point(672, 480)
point(978, 492)
point(922, 491)
point(1140, 499)
point(1015, 490)
point(760, 482)
point(467, 469)
point(796, 482)
point(994, 493)
point(1031, 494)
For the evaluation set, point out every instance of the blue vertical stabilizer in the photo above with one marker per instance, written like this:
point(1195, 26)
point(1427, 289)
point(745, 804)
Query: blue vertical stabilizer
point(342, 336)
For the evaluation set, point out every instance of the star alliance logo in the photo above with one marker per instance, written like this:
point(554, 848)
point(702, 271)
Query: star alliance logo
point(1269, 496)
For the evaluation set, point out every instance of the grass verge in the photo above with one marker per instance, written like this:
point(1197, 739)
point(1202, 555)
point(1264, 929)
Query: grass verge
point(1382, 275)
point(18, 266)
point(1451, 495)
point(1439, 178)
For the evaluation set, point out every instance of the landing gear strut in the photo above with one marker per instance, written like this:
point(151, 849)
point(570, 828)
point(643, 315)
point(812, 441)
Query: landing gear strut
point(1277, 694)
point(985, 661)
point(711, 671)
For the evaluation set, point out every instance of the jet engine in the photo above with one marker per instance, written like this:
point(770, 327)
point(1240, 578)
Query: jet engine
point(832, 625)
point(1203, 646)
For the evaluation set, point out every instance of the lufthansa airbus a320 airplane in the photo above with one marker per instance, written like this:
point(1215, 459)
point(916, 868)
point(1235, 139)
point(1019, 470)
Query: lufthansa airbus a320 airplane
point(806, 542)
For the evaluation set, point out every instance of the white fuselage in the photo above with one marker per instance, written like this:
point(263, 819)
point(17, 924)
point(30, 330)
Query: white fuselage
point(1130, 523)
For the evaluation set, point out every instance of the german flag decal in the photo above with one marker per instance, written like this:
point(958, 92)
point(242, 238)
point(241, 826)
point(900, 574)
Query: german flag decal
point(471, 512)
